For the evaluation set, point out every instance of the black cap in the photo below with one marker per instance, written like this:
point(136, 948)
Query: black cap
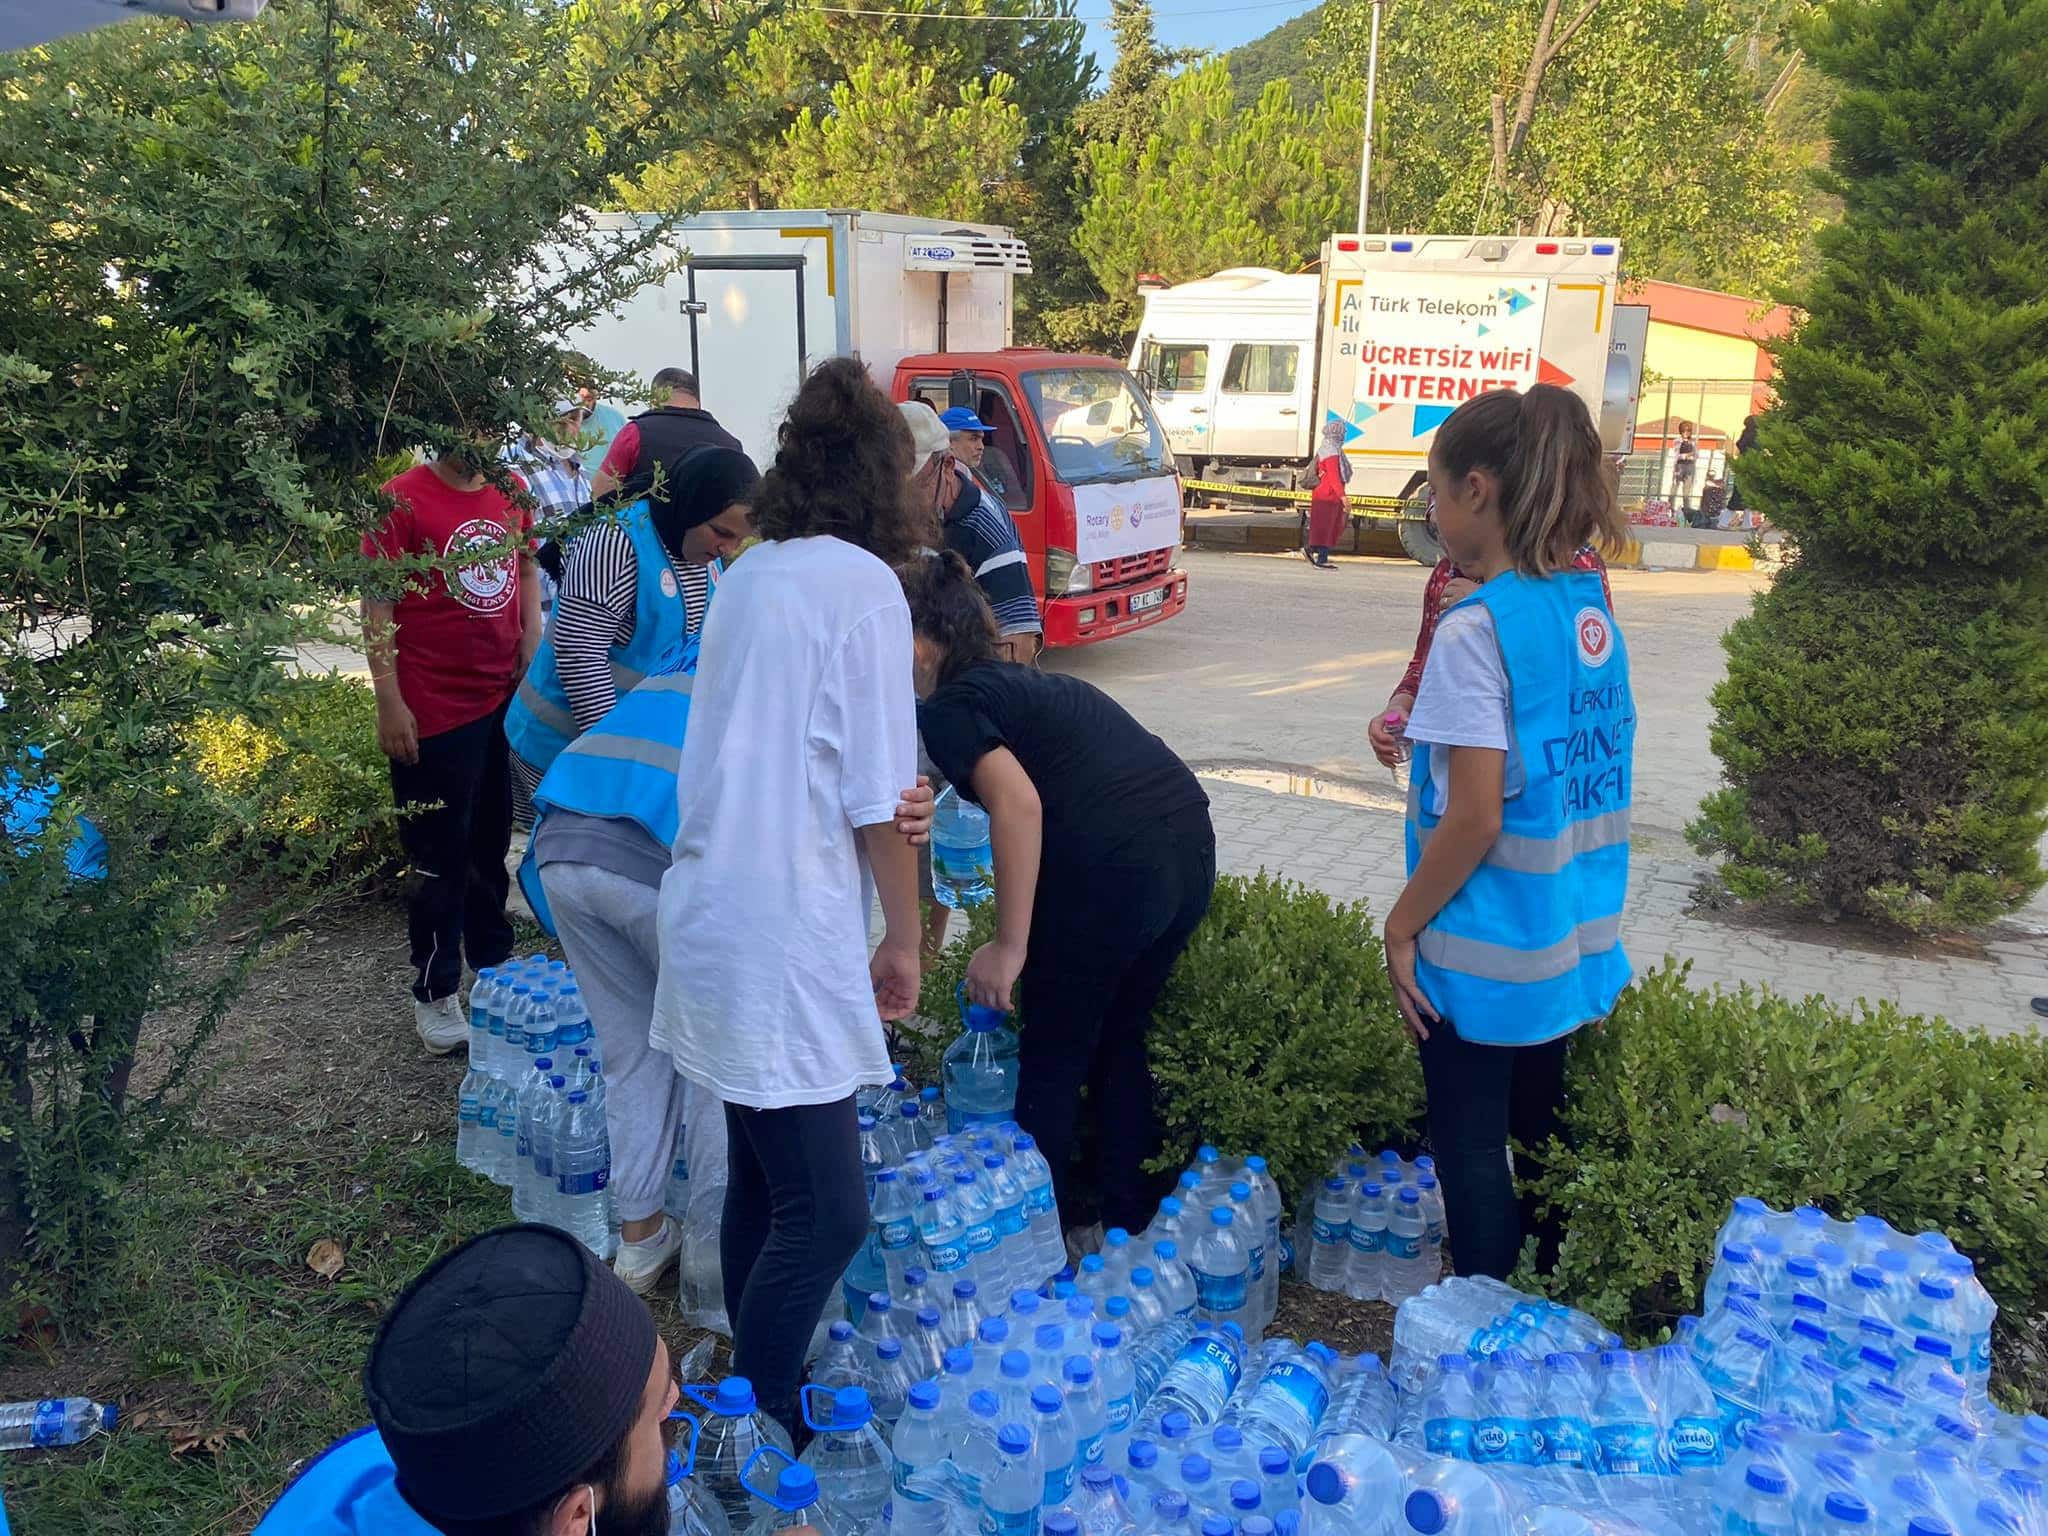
point(504, 1370)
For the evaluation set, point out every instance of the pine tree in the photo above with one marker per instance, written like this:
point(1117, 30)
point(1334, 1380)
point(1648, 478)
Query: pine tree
point(1884, 723)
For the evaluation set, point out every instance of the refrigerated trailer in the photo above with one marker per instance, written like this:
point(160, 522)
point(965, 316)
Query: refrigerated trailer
point(761, 296)
point(1388, 338)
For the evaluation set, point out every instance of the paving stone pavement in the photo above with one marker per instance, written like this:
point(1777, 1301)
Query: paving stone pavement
point(1355, 854)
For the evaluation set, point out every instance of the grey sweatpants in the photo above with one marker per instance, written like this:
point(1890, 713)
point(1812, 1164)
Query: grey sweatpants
point(606, 923)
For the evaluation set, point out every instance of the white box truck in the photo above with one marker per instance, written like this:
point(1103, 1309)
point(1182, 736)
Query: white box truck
point(1394, 332)
point(763, 295)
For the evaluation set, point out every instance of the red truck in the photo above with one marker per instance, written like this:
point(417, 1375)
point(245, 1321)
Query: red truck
point(1086, 473)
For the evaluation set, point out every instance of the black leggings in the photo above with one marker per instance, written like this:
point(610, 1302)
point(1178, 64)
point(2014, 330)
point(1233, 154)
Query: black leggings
point(1102, 945)
point(796, 1210)
point(1479, 1096)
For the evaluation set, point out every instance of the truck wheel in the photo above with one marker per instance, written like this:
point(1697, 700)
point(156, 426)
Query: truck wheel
point(1420, 543)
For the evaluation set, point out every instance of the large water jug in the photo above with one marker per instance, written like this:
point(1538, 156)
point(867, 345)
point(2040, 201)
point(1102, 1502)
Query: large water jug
point(849, 1456)
point(734, 1431)
point(980, 1068)
point(692, 1511)
point(1353, 1488)
point(794, 1500)
point(963, 863)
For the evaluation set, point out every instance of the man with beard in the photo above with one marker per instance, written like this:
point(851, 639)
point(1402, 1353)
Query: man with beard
point(517, 1388)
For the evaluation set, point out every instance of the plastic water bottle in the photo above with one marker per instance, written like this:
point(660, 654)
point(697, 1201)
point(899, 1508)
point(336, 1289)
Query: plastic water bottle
point(1098, 1507)
point(1364, 1279)
point(1041, 1213)
point(1330, 1236)
point(1690, 1416)
point(1286, 1408)
point(1010, 1482)
point(963, 863)
point(470, 1139)
point(733, 1433)
point(795, 1501)
point(1762, 1505)
point(1169, 1515)
point(1569, 1451)
point(1268, 1206)
point(1450, 1409)
point(986, 1262)
point(920, 1443)
point(1011, 1220)
point(1119, 1391)
point(1200, 1379)
point(1625, 1422)
point(583, 1171)
point(1057, 1445)
point(980, 1069)
point(1457, 1499)
point(839, 1363)
point(895, 1217)
point(497, 1109)
point(1353, 1486)
point(1222, 1271)
point(1088, 1409)
point(890, 1380)
point(944, 1238)
point(534, 1093)
point(691, 1511)
point(851, 1461)
point(1401, 1260)
point(53, 1421)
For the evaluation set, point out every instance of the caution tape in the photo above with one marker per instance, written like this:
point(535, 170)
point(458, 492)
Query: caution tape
point(1389, 507)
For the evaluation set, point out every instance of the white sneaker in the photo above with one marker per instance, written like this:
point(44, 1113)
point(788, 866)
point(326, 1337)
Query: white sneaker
point(641, 1264)
point(440, 1024)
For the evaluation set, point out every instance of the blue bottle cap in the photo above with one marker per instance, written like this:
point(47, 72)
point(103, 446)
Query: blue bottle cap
point(1095, 1477)
point(1194, 1468)
point(1426, 1511)
point(1767, 1478)
point(1937, 1287)
point(927, 1317)
point(1025, 1143)
point(1244, 1494)
point(981, 1021)
point(1092, 1265)
point(734, 1398)
point(1046, 1398)
point(1221, 1216)
point(1168, 1250)
point(1215, 1525)
point(796, 1487)
point(1117, 1308)
point(544, 1063)
point(959, 1360)
point(994, 1160)
point(929, 1095)
point(1206, 1153)
point(1335, 1184)
point(1325, 1483)
point(1410, 1196)
point(1240, 1190)
point(1273, 1460)
point(1749, 1205)
point(1801, 1265)
point(1079, 1370)
point(963, 1290)
point(886, 1175)
point(675, 1462)
point(907, 1111)
point(982, 1404)
point(1171, 1502)
point(1143, 1455)
point(1107, 1336)
point(889, 1349)
point(1014, 1440)
point(1256, 1163)
point(1928, 1525)
point(1061, 1522)
point(1226, 1437)
point(1015, 1365)
point(851, 1408)
point(1141, 1275)
point(1176, 1425)
point(840, 1331)
point(878, 1301)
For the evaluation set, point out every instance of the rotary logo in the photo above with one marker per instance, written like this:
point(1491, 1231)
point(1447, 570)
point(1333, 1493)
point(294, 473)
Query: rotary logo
point(486, 584)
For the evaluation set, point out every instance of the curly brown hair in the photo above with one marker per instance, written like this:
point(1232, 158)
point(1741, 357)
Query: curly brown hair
point(948, 609)
point(842, 466)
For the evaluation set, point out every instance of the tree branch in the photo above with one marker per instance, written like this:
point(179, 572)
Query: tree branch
point(1783, 83)
point(1500, 141)
point(1571, 27)
point(1540, 55)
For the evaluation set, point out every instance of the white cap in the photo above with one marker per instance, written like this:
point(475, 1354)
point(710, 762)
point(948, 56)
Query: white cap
point(928, 434)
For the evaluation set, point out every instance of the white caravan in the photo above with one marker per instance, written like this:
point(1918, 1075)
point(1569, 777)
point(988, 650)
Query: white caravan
point(763, 295)
point(1246, 367)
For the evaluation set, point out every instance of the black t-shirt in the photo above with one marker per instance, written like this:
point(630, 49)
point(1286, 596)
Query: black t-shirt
point(1104, 781)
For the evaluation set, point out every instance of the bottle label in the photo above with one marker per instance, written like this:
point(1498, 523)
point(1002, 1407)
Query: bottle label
point(1220, 1293)
point(897, 1235)
point(946, 1258)
point(1629, 1450)
point(981, 1237)
point(588, 1182)
point(1213, 1359)
point(1568, 1443)
point(1010, 1522)
point(1329, 1232)
point(1010, 1220)
point(470, 1113)
point(1121, 1411)
point(1448, 1437)
point(1089, 1450)
point(487, 1116)
point(900, 1480)
point(1508, 1442)
point(47, 1428)
point(1980, 1354)
point(1059, 1483)
point(1298, 1382)
point(1258, 1269)
point(523, 1139)
point(964, 863)
point(681, 1172)
point(1038, 1200)
point(1368, 1239)
point(1695, 1441)
point(1399, 1246)
point(1286, 1255)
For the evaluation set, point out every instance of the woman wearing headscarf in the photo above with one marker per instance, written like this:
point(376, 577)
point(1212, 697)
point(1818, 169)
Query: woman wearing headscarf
point(634, 587)
point(1326, 506)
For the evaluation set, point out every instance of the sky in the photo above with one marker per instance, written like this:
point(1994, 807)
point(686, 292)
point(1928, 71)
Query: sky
point(1213, 24)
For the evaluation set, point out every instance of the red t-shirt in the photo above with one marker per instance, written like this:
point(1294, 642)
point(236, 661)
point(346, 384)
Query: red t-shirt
point(458, 643)
point(623, 455)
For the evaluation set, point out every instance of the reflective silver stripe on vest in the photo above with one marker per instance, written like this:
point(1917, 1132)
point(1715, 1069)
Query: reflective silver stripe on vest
point(555, 717)
point(631, 749)
point(1522, 855)
point(1501, 962)
point(625, 679)
point(671, 682)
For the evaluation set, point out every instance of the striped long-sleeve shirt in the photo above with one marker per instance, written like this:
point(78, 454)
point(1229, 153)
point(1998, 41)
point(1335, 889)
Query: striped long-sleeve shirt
point(595, 612)
point(982, 534)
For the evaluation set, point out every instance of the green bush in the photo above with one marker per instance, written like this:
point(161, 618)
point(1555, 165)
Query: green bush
point(1884, 757)
point(1686, 1099)
point(314, 782)
point(1277, 1032)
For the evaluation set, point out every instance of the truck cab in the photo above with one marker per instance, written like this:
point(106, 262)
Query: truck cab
point(1084, 468)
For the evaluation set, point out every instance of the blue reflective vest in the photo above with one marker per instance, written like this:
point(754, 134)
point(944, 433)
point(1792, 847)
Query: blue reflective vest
point(349, 1489)
point(624, 766)
point(541, 722)
point(25, 810)
point(1530, 946)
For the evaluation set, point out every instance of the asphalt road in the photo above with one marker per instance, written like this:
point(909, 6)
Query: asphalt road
point(1277, 667)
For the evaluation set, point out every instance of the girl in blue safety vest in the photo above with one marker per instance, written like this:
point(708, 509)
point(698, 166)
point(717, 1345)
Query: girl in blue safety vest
point(1507, 936)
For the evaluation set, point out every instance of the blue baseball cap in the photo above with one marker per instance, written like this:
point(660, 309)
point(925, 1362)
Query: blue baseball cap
point(961, 419)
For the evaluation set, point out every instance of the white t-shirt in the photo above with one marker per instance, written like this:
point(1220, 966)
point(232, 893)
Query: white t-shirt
point(803, 728)
point(1463, 701)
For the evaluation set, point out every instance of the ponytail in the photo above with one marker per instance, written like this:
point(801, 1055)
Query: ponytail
point(1557, 490)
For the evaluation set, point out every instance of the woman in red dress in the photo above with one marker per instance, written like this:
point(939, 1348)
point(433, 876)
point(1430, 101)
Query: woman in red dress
point(1326, 508)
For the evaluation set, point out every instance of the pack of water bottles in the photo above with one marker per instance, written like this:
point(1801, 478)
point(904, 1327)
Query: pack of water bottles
point(1479, 1317)
point(531, 1108)
point(1374, 1227)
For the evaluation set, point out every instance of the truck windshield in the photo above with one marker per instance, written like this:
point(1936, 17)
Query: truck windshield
point(1097, 425)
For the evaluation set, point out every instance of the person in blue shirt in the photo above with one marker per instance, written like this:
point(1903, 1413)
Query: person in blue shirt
point(1507, 937)
point(515, 1388)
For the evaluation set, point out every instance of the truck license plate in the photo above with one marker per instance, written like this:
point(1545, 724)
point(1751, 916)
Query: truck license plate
point(1148, 600)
